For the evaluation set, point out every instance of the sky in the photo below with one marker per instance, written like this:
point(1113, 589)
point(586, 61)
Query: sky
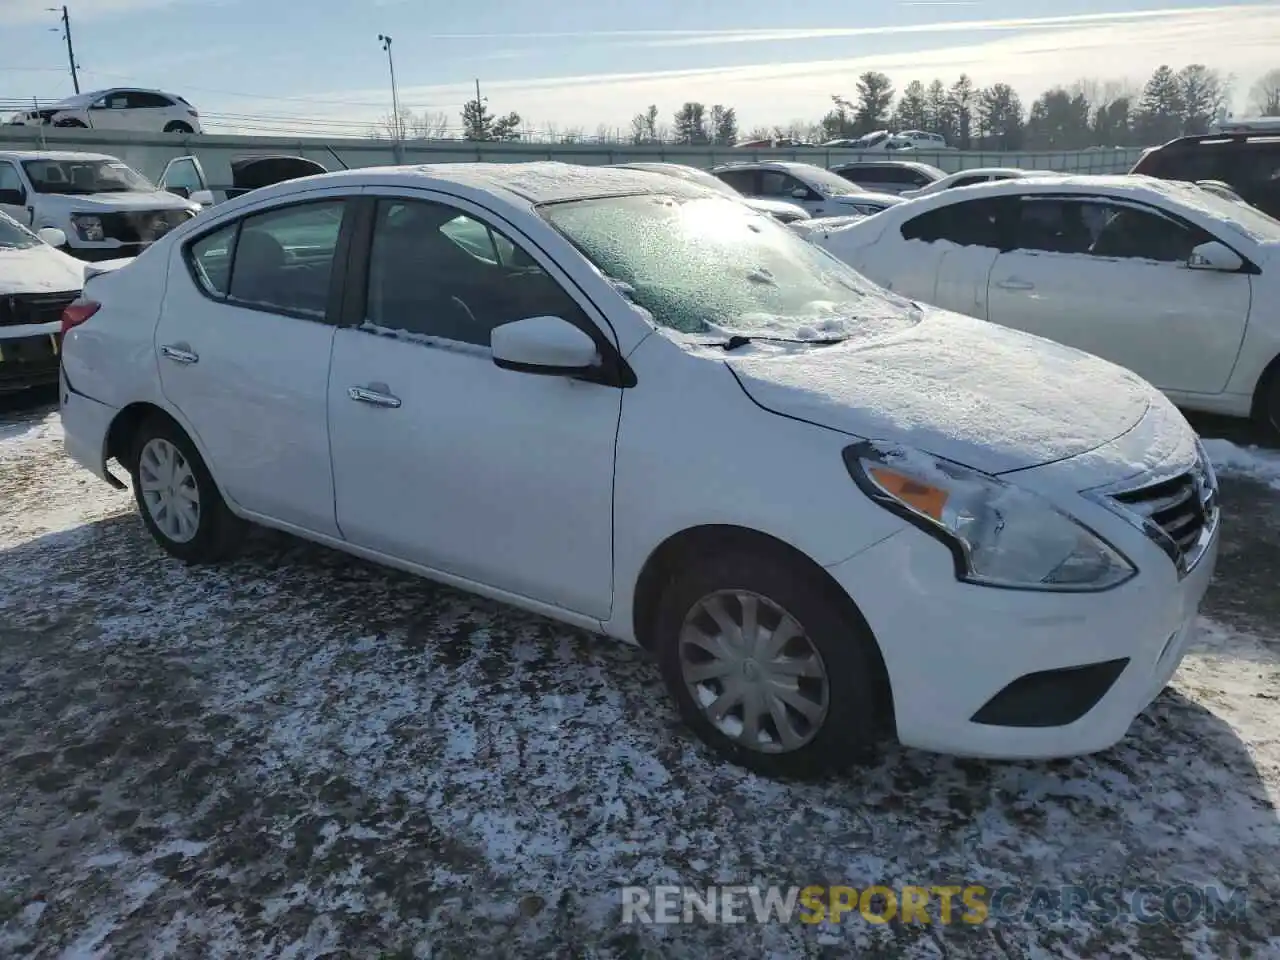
point(319, 65)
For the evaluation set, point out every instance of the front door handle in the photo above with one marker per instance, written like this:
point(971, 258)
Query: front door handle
point(179, 353)
point(1013, 283)
point(375, 394)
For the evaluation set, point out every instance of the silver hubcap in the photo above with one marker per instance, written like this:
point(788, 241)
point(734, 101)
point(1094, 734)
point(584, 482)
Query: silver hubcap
point(169, 490)
point(753, 671)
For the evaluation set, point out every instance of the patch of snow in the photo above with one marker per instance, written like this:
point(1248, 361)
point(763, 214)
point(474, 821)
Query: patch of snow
point(1253, 462)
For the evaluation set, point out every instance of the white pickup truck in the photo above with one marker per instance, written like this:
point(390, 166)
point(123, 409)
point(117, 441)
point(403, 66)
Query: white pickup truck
point(106, 209)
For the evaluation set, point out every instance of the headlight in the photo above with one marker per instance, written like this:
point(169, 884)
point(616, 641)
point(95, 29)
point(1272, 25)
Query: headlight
point(88, 227)
point(1000, 535)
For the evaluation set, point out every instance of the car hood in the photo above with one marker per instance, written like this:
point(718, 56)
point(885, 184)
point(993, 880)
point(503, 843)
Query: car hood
point(777, 206)
point(39, 270)
point(985, 396)
point(107, 202)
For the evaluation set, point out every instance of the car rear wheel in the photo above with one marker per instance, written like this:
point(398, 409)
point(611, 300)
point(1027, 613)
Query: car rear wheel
point(176, 495)
point(178, 126)
point(1266, 404)
point(70, 122)
point(767, 667)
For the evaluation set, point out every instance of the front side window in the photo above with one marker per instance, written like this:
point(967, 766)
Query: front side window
point(970, 181)
point(9, 179)
point(284, 258)
point(436, 272)
point(713, 266)
point(82, 177)
point(1101, 229)
point(183, 173)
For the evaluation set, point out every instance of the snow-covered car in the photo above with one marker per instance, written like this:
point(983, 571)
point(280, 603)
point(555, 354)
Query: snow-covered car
point(37, 282)
point(967, 178)
point(888, 176)
point(649, 411)
point(186, 176)
point(105, 208)
point(1162, 277)
point(780, 210)
point(818, 191)
point(120, 108)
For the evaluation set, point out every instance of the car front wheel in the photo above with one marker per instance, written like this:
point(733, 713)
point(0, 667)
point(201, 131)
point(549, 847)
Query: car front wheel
point(178, 127)
point(176, 495)
point(768, 667)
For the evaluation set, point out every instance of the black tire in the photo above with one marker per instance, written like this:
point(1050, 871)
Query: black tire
point(857, 701)
point(218, 531)
point(178, 126)
point(71, 122)
point(1266, 405)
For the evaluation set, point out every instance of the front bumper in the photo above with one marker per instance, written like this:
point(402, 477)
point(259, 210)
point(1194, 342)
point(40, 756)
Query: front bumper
point(952, 649)
point(30, 359)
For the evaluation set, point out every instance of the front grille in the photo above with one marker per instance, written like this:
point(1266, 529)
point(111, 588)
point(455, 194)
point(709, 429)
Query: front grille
point(1178, 513)
point(141, 226)
point(17, 309)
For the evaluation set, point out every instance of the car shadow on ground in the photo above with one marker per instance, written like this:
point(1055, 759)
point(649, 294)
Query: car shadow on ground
point(301, 747)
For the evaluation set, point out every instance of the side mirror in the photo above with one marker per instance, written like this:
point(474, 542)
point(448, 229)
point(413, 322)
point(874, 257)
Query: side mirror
point(183, 192)
point(202, 197)
point(1214, 256)
point(800, 193)
point(16, 198)
point(52, 236)
point(543, 345)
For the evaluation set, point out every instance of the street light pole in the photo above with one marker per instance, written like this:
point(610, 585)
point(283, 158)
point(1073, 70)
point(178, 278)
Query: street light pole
point(398, 125)
point(71, 53)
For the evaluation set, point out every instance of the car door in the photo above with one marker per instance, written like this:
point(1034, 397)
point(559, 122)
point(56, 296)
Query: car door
point(14, 197)
point(111, 112)
point(443, 459)
point(147, 111)
point(243, 346)
point(184, 176)
point(780, 185)
point(958, 243)
point(1110, 277)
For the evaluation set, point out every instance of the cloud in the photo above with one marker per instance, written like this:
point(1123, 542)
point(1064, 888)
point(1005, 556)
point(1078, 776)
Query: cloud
point(1238, 39)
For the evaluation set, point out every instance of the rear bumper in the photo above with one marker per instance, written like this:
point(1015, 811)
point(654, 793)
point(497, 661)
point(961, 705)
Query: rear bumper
point(85, 426)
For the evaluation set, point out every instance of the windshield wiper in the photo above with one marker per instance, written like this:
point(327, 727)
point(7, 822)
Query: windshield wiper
point(740, 340)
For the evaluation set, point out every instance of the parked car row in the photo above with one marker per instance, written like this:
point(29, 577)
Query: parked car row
point(538, 382)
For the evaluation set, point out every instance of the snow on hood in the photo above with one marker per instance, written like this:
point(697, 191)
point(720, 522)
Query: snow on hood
point(132, 200)
point(985, 396)
point(775, 206)
point(39, 269)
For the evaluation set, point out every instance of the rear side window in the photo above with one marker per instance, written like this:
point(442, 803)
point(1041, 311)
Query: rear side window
point(143, 100)
point(973, 223)
point(284, 258)
point(211, 260)
point(970, 181)
point(744, 181)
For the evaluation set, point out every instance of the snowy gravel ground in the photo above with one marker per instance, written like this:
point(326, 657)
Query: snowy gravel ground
point(302, 755)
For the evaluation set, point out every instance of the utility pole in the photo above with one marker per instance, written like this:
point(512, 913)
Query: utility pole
point(397, 122)
point(71, 53)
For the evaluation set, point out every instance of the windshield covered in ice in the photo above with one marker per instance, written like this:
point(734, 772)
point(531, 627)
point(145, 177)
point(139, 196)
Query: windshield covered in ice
point(81, 177)
point(831, 184)
point(713, 266)
point(14, 236)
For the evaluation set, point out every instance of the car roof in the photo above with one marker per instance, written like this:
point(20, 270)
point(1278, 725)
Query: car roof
point(536, 182)
point(21, 155)
point(92, 95)
point(1121, 186)
point(896, 164)
point(987, 171)
point(791, 166)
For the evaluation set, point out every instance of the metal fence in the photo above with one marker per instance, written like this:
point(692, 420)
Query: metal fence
point(149, 153)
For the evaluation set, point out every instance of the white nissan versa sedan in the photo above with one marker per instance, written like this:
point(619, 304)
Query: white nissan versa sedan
point(639, 407)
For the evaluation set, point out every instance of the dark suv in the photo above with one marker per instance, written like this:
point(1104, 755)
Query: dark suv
point(1249, 162)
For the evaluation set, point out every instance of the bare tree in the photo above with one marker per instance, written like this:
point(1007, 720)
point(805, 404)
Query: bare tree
point(1264, 96)
point(429, 125)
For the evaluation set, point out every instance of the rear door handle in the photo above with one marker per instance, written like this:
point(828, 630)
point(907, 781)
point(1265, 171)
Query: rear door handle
point(1013, 283)
point(376, 394)
point(179, 353)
